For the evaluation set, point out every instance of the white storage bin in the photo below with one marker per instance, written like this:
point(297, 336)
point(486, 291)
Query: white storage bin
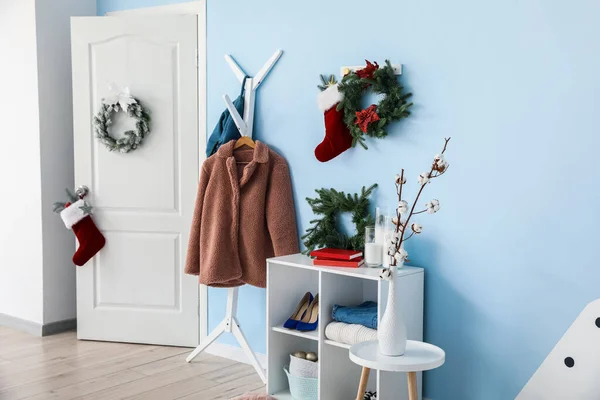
point(303, 368)
point(303, 388)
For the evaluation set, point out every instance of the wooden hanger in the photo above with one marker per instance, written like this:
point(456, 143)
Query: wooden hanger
point(244, 141)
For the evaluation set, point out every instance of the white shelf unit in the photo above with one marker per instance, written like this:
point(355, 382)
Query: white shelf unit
point(288, 278)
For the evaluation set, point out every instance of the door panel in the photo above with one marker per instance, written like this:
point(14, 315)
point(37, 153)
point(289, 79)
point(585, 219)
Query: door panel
point(159, 158)
point(134, 290)
point(127, 280)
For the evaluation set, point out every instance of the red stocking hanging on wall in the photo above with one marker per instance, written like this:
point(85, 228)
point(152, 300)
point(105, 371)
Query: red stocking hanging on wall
point(337, 136)
point(76, 216)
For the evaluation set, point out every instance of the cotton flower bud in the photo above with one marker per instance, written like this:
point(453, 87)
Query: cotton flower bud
point(386, 274)
point(391, 250)
point(416, 228)
point(400, 180)
point(433, 206)
point(396, 222)
point(401, 255)
point(440, 164)
point(423, 178)
point(402, 207)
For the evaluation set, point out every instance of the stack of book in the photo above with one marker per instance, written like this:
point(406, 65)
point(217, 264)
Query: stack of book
point(337, 258)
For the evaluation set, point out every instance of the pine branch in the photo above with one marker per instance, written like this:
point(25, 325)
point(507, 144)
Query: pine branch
point(327, 81)
point(71, 195)
point(58, 207)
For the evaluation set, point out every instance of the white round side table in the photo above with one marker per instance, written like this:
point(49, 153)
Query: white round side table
point(419, 356)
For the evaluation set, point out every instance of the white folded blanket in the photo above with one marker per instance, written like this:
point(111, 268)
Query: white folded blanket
point(349, 333)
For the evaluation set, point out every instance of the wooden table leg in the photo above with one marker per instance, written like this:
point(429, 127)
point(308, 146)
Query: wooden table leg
point(413, 392)
point(364, 379)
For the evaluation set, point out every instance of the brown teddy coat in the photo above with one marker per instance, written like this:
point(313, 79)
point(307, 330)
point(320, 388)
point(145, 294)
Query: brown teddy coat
point(244, 214)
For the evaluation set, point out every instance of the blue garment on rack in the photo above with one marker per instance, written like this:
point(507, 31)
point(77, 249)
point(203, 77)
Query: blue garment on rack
point(364, 314)
point(225, 130)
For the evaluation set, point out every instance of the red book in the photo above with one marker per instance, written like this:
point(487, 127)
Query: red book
point(336, 254)
point(357, 262)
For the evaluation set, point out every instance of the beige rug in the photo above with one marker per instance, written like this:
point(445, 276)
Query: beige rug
point(254, 396)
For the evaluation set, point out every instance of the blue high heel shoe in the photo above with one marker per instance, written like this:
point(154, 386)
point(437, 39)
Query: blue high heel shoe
point(310, 321)
point(292, 321)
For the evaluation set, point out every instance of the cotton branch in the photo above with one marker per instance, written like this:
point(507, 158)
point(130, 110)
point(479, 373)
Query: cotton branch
point(399, 185)
point(440, 169)
point(409, 236)
point(446, 144)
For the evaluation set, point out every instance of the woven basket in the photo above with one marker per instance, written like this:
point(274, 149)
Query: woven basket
point(303, 388)
point(303, 368)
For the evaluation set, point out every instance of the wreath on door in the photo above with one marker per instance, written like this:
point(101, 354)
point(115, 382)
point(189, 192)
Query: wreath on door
point(121, 100)
point(325, 233)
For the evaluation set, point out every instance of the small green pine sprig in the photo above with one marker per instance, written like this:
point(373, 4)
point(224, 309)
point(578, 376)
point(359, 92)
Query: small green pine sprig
point(324, 232)
point(58, 206)
point(327, 81)
point(393, 107)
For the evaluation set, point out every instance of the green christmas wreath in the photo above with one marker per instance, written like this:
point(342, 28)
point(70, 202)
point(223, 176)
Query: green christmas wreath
point(121, 100)
point(324, 232)
point(373, 120)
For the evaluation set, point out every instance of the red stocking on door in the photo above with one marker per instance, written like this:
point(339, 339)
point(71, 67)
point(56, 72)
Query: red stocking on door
point(89, 237)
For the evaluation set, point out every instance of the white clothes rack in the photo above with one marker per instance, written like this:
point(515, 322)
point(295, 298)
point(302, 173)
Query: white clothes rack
point(245, 126)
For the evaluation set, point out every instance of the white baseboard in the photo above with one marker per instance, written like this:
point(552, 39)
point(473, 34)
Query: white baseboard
point(234, 353)
point(23, 325)
point(36, 329)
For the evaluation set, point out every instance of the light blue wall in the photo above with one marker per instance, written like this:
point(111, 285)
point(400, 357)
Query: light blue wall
point(118, 5)
point(510, 258)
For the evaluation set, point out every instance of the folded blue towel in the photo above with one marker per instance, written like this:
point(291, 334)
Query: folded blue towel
point(364, 314)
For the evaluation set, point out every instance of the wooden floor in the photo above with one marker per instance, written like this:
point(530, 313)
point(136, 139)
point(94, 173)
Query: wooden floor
point(61, 367)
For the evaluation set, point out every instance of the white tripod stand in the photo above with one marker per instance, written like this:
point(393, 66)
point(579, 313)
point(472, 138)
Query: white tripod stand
point(244, 125)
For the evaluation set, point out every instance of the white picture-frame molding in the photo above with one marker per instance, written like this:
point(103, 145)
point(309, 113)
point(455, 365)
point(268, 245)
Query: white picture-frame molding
point(198, 8)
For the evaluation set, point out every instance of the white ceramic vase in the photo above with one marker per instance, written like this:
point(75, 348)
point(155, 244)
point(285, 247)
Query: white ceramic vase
point(391, 331)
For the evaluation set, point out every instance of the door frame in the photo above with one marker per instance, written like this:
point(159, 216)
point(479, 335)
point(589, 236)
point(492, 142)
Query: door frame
point(199, 8)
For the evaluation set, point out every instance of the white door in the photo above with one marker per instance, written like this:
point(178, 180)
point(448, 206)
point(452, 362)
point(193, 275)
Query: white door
point(134, 290)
